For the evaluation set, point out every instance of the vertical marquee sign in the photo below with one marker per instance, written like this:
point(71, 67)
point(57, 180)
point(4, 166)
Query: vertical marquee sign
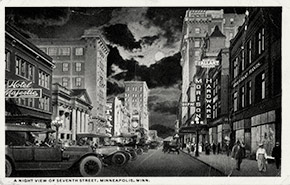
point(208, 98)
point(21, 89)
point(198, 83)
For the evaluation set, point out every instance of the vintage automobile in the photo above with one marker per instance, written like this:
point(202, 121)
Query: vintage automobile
point(23, 153)
point(111, 154)
point(126, 143)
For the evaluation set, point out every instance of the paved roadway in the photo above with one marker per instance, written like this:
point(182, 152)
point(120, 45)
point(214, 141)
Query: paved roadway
point(154, 163)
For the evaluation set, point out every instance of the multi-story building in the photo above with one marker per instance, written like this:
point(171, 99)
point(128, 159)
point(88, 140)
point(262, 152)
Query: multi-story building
point(199, 42)
point(28, 75)
point(219, 126)
point(136, 102)
point(81, 63)
point(255, 79)
point(72, 107)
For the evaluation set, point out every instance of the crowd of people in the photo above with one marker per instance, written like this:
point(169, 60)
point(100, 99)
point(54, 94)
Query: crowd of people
point(238, 152)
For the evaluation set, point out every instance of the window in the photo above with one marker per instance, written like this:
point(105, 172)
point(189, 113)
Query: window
point(63, 51)
point(78, 66)
point(249, 94)
point(242, 97)
point(52, 51)
point(231, 35)
point(260, 91)
point(65, 66)
point(43, 103)
point(197, 53)
point(250, 51)
point(43, 79)
point(22, 68)
point(31, 72)
point(79, 51)
point(197, 30)
point(236, 67)
point(263, 86)
point(243, 60)
point(235, 101)
point(17, 66)
point(7, 60)
point(197, 43)
point(65, 81)
point(261, 41)
point(78, 82)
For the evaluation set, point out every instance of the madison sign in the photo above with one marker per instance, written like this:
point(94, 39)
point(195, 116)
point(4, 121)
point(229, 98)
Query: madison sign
point(21, 89)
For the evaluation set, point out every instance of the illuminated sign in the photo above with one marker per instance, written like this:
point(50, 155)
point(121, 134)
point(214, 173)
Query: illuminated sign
point(198, 82)
point(21, 89)
point(208, 98)
point(188, 104)
point(207, 63)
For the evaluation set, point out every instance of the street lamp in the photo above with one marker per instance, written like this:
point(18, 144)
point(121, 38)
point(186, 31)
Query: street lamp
point(197, 136)
point(57, 123)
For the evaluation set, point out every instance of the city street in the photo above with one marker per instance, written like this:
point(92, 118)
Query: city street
point(154, 163)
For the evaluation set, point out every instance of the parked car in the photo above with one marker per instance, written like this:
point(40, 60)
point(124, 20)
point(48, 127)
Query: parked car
point(23, 153)
point(111, 154)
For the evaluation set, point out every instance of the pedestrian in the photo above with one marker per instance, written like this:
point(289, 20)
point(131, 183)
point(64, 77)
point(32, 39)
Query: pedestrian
point(238, 154)
point(261, 157)
point(207, 148)
point(188, 147)
point(218, 148)
point(276, 153)
point(227, 147)
point(213, 148)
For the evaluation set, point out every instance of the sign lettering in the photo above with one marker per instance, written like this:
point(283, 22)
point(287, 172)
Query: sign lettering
point(21, 89)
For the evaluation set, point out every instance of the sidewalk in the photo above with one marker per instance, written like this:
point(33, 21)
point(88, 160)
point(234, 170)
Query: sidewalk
point(226, 165)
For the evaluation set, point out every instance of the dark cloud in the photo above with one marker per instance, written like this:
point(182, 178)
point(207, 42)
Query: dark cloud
point(149, 40)
point(120, 34)
point(169, 107)
point(38, 16)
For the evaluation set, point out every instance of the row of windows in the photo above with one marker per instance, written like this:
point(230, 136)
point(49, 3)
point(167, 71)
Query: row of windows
point(251, 49)
point(63, 51)
point(78, 66)
point(134, 88)
point(66, 82)
point(27, 70)
point(245, 95)
point(24, 69)
point(43, 103)
point(134, 95)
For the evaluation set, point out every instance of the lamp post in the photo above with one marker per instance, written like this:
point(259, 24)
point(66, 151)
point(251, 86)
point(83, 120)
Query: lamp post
point(57, 123)
point(196, 120)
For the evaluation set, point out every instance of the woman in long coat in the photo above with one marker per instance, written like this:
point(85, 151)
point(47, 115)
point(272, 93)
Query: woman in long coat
point(261, 157)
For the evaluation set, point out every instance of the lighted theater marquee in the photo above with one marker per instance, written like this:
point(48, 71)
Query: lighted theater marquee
point(21, 89)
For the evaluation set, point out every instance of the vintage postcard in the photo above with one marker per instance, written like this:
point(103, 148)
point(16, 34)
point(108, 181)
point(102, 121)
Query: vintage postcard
point(144, 93)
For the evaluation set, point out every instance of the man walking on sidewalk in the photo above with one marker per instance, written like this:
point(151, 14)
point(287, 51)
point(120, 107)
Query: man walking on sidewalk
point(276, 153)
point(238, 154)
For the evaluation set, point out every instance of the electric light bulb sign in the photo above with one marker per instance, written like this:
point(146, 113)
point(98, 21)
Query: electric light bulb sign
point(21, 89)
point(207, 63)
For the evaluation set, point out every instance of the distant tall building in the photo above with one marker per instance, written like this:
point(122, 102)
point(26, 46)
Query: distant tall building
point(136, 102)
point(81, 63)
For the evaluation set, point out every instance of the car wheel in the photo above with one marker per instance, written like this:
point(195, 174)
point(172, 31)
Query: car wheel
point(119, 159)
point(134, 155)
point(90, 166)
point(8, 168)
point(139, 151)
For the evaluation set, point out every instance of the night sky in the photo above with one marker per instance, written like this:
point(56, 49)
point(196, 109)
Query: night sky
point(144, 45)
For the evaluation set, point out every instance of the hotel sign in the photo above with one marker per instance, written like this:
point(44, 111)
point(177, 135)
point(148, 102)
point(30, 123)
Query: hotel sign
point(21, 89)
point(207, 63)
point(242, 78)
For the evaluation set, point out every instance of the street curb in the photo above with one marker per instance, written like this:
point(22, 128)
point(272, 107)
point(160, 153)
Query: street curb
point(204, 162)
